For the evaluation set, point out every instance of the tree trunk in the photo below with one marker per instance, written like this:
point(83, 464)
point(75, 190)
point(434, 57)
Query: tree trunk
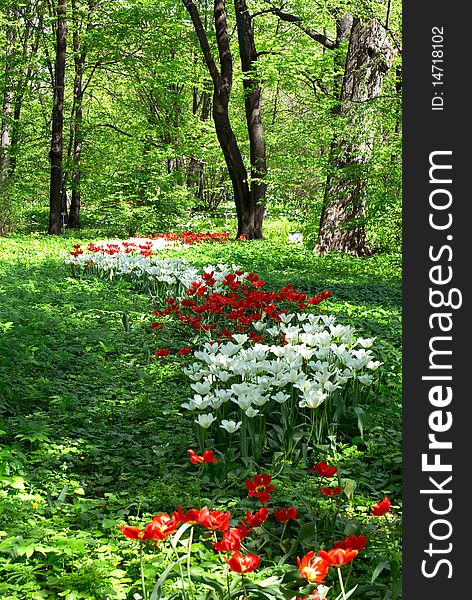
point(196, 166)
point(250, 215)
point(73, 221)
point(7, 106)
point(234, 161)
point(342, 220)
point(253, 109)
point(55, 153)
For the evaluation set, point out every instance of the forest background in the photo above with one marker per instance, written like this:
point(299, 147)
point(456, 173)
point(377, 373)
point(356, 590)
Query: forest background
point(108, 117)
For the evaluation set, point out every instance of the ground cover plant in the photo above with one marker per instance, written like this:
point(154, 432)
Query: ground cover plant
point(109, 487)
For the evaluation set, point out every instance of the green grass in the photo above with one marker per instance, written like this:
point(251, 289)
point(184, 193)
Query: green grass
point(90, 425)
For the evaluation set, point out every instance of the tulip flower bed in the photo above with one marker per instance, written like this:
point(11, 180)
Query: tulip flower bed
point(189, 237)
point(111, 490)
point(277, 369)
point(238, 547)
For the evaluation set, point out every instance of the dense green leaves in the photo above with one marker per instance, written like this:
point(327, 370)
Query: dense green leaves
point(142, 120)
point(92, 433)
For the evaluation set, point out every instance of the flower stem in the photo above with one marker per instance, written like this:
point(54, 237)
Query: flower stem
point(141, 568)
point(283, 531)
point(244, 587)
point(341, 583)
point(227, 581)
point(189, 552)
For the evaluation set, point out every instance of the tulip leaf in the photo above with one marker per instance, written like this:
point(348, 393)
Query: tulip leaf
point(347, 594)
point(379, 568)
point(307, 531)
point(157, 590)
point(180, 531)
point(203, 578)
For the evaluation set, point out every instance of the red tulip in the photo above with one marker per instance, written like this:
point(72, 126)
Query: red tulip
point(314, 568)
point(338, 557)
point(284, 515)
point(162, 352)
point(160, 528)
point(185, 350)
point(356, 542)
point(381, 507)
point(231, 539)
point(243, 564)
point(191, 516)
point(214, 520)
point(323, 469)
point(165, 524)
point(206, 457)
point(256, 519)
point(334, 491)
point(259, 486)
point(132, 533)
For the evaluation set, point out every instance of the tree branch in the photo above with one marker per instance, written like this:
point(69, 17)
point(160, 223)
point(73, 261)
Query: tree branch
point(115, 128)
point(202, 38)
point(298, 21)
point(222, 40)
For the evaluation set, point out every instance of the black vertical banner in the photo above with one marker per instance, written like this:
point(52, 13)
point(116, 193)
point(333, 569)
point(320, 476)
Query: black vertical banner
point(436, 301)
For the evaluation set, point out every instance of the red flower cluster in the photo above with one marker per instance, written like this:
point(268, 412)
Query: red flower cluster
point(259, 487)
point(76, 251)
point(315, 568)
point(231, 540)
point(145, 247)
point(158, 529)
point(236, 309)
point(162, 352)
point(189, 237)
point(110, 248)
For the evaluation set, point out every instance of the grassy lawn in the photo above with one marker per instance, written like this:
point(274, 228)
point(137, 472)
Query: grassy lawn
point(92, 433)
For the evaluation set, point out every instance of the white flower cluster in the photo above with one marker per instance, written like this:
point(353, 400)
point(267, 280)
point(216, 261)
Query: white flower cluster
point(170, 271)
point(174, 273)
point(316, 358)
point(136, 244)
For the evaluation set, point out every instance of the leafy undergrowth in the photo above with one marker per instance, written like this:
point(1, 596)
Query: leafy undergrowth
point(93, 434)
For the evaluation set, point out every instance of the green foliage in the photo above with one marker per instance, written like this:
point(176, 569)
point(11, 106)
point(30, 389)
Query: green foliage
point(141, 127)
point(92, 434)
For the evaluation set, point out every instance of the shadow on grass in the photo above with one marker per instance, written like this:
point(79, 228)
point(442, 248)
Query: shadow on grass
point(68, 366)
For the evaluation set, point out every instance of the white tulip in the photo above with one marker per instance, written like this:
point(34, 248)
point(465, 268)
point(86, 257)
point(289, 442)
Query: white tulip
point(312, 399)
point(205, 420)
point(280, 397)
point(251, 412)
point(230, 426)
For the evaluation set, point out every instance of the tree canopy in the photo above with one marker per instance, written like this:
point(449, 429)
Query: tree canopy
point(318, 84)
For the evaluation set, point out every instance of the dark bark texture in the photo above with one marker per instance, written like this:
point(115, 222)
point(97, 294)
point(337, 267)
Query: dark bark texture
point(55, 153)
point(250, 214)
point(76, 133)
point(342, 220)
point(7, 105)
